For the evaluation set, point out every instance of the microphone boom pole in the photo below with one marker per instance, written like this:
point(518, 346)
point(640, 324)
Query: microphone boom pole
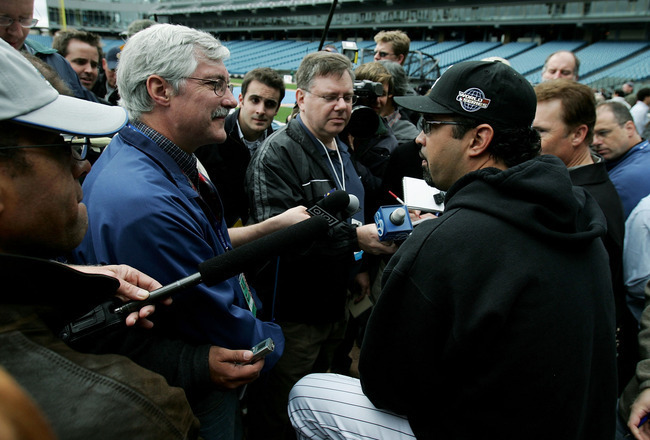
point(327, 25)
point(217, 269)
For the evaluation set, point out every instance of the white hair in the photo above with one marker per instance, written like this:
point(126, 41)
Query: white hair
point(170, 51)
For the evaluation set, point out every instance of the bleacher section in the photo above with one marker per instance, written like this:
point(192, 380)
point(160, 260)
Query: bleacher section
point(635, 68)
point(507, 51)
point(461, 53)
point(279, 55)
point(603, 64)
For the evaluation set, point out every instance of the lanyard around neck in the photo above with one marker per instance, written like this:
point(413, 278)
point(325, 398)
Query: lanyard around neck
point(340, 182)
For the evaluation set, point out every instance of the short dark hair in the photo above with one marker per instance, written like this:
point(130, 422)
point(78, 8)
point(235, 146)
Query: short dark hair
point(377, 72)
point(268, 77)
point(642, 94)
point(619, 110)
point(578, 103)
point(62, 39)
point(509, 145)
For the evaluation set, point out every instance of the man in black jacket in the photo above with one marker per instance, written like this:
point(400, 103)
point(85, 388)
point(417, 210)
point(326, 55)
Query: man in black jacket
point(262, 91)
point(495, 320)
point(299, 165)
point(565, 119)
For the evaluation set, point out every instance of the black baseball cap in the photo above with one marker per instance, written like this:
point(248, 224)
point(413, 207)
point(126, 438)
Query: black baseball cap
point(113, 56)
point(488, 91)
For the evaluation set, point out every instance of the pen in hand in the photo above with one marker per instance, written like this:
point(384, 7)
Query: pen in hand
point(397, 198)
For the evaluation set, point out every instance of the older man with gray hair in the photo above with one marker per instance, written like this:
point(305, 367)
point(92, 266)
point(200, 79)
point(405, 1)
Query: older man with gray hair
point(151, 207)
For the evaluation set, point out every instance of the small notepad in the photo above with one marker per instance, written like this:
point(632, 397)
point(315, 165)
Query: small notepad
point(419, 195)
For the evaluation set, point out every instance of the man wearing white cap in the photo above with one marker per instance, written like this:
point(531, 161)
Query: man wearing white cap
point(496, 320)
point(42, 217)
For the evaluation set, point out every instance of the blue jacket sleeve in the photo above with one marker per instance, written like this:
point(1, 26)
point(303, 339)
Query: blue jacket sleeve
point(166, 237)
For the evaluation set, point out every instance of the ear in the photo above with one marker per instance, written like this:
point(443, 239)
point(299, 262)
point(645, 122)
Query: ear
point(300, 98)
point(400, 58)
point(159, 90)
point(480, 137)
point(241, 99)
point(578, 135)
point(630, 128)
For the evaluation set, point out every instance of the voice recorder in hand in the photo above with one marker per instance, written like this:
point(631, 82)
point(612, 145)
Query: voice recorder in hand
point(262, 349)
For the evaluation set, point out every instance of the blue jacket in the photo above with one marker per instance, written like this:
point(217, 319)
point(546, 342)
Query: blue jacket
point(631, 175)
point(143, 211)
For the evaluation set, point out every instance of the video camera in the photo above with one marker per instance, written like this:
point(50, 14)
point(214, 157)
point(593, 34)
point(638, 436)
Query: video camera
point(367, 91)
point(364, 121)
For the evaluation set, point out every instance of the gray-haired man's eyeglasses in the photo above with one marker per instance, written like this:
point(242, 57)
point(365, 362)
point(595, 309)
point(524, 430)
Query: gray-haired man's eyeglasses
point(219, 85)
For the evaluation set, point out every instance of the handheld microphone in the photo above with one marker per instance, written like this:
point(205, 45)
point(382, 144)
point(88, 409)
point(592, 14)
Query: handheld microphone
point(393, 223)
point(330, 205)
point(353, 206)
point(211, 272)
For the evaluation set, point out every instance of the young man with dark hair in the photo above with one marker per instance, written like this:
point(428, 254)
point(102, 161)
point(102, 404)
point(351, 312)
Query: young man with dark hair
point(262, 92)
point(83, 51)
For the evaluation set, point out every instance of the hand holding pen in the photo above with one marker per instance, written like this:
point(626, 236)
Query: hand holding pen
point(416, 215)
point(639, 412)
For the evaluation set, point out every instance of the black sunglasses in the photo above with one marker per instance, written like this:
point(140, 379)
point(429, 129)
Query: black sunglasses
point(427, 126)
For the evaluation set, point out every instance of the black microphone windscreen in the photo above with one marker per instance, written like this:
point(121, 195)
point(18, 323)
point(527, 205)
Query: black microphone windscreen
point(335, 202)
point(236, 261)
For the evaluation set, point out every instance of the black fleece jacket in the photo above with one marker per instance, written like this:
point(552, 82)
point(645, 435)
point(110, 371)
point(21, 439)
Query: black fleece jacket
point(496, 320)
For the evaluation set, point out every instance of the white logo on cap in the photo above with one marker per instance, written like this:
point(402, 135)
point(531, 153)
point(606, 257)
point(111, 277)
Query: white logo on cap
point(472, 99)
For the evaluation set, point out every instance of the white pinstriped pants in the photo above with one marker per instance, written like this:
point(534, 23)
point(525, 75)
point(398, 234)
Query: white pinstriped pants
point(332, 406)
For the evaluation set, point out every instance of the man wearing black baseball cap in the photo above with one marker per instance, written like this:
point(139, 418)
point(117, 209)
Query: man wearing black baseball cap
point(496, 320)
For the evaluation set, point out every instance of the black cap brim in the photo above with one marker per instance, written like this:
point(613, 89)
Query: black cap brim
point(421, 104)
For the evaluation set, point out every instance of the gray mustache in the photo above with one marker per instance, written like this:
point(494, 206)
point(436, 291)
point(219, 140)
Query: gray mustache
point(220, 113)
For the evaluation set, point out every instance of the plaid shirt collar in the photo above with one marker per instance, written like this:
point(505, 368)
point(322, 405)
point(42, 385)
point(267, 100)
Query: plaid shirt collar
point(393, 118)
point(186, 161)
